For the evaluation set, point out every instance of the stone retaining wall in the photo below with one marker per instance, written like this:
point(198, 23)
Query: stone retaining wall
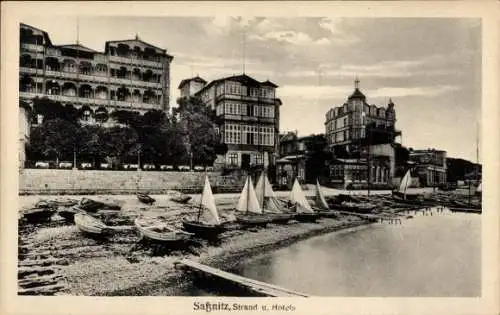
point(57, 181)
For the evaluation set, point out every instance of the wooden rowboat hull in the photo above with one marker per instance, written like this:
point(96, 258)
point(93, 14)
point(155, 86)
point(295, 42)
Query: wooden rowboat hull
point(91, 225)
point(145, 199)
point(253, 220)
point(166, 237)
point(182, 199)
point(38, 215)
point(201, 229)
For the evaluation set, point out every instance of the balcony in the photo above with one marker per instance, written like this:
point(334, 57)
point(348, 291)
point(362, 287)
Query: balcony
point(135, 61)
point(29, 70)
point(90, 101)
point(32, 47)
point(51, 52)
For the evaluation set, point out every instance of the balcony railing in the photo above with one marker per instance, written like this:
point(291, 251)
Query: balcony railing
point(100, 77)
point(32, 47)
point(29, 70)
point(126, 60)
point(89, 100)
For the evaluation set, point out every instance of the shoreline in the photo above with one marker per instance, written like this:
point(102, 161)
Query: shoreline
point(122, 266)
point(228, 259)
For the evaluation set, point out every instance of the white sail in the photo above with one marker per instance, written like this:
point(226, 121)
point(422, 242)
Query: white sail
point(479, 188)
point(263, 188)
point(248, 199)
point(297, 197)
point(208, 200)
point(320, 199)
point(405, 182)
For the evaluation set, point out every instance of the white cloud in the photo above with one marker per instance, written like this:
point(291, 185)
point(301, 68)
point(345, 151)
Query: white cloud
point(426, 91)
point(312, 92)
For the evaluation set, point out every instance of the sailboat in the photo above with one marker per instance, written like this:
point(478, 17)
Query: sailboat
point(401, 194)
point(300, 205)
point(270, 205)
point(250, 212)
point(479, 190)
point(207, 224)
point(320, 205)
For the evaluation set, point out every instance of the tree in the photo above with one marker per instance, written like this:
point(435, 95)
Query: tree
point(89, 145)
point(196, 121)
point(317, 156)
point(118, 143)
point(54, 139)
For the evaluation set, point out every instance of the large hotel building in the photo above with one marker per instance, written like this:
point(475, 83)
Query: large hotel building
point(129, 75)
point(247, 114)
point(362, 136)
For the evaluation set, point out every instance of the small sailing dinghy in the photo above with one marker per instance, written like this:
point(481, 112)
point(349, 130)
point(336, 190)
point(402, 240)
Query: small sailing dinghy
point(91, 225)
point(207, 224)
point(479, 190)
point(152, 230)
point(250, 212)
point(145, 199)
point(320, 204)
point(271, 206)
point(401, 194)
point(300, 205)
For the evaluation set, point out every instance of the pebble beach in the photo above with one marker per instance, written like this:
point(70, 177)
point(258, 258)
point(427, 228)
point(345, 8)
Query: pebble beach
point(56, 258)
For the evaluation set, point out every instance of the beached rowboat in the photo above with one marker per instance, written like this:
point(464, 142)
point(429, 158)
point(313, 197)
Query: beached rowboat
point(38, 215)
point(145, 199)
point(90, 205)
point(150, 229)
point(69, 213)
point(91, 225)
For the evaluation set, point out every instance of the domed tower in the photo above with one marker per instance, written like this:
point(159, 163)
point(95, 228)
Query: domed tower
point(390, 113)
point(357, 99)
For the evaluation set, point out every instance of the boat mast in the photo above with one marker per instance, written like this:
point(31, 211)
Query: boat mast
point(200, 206)
point(248, 193)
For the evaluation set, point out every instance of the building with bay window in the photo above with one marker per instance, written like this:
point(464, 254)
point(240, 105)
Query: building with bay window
point(128, 75)
point(247, 116)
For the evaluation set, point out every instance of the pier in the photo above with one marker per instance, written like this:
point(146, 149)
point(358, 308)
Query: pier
point(258, 287)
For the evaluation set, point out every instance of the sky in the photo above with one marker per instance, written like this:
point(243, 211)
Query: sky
point(429, 67)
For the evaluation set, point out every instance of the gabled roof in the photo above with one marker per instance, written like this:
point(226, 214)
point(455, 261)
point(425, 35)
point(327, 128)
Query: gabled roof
point(77, 47)
point(195, 79)
point(269, 83)
point(45, 34)
point(106, 47)
point(241, 78)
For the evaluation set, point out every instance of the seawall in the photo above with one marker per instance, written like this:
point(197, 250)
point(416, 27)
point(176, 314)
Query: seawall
point(57, 181)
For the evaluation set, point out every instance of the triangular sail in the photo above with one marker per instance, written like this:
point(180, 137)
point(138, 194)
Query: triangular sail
point(405, 182)
point(265, 194)
point(479, 188)
point(297, 197)
point(320, 199)
point(208, 201)
point(248, 199)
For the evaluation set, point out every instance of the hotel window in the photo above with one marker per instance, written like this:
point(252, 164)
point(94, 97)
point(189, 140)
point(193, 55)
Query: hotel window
point(233, 158)
point(258, 159)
